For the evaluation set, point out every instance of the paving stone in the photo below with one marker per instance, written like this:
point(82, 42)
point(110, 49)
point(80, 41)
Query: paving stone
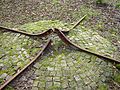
point(1, 65)
point(4, 75)
point(53, 73)
point(50, 68)
point(39, 72)
point(35, 88)
point(23, 78)
point(41, 84)
point(49, 78)
point(30, 81)
point(87, 81)
point(47, 73)
point(87, 88)
point(35, 83)
point(58, 74)
point(57, 84)
point(37, 65)
point(8, 77)
point(65, 84)
point(41, 88)
point(72, 83)
point(41, 78)
point(56, 78)
point(49, 84)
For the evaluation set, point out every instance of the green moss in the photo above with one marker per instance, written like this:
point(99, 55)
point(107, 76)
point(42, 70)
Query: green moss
point(103, 87)
point(1, 80)
point(90, 39)
point(55, 1)
point(41, 26)
point(117, 78)
point(2, 71)
point(9, 88)
point(118, 5)
point(118, 66)
point(54, 88)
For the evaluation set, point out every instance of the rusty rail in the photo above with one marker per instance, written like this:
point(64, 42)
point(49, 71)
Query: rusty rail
point(69, 43)
point(43, 34)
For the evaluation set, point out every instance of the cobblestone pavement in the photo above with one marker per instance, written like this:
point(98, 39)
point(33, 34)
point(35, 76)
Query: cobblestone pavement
point(63, 68)
point(91, 40)
point(15, 52)
point(71, 71)
point(103, 19)
point(66, 69)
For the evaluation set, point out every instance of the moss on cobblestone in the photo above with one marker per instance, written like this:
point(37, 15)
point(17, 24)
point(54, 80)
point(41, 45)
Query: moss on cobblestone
point(63, 66)
point(83, 71)
point(118, 66)
point(102, 87)
point(9, 88)
point(117, 78)
point(44, 25)
point(79, 70)
point(91, 40)
point(16, 50)
point(84, 37)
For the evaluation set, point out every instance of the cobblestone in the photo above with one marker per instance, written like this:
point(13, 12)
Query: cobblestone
point(92, 40)
point(34, 10)
point(65, 68)
point(17, 50)
point(86, 76)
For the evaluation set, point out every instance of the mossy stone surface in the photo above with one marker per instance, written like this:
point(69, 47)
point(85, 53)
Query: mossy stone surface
point(71, 65)
point(44, 25)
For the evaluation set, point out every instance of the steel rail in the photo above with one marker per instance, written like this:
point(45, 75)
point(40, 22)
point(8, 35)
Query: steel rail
point(30, 63)
point(43, 34)
point(71, 44)
point(78, 22)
